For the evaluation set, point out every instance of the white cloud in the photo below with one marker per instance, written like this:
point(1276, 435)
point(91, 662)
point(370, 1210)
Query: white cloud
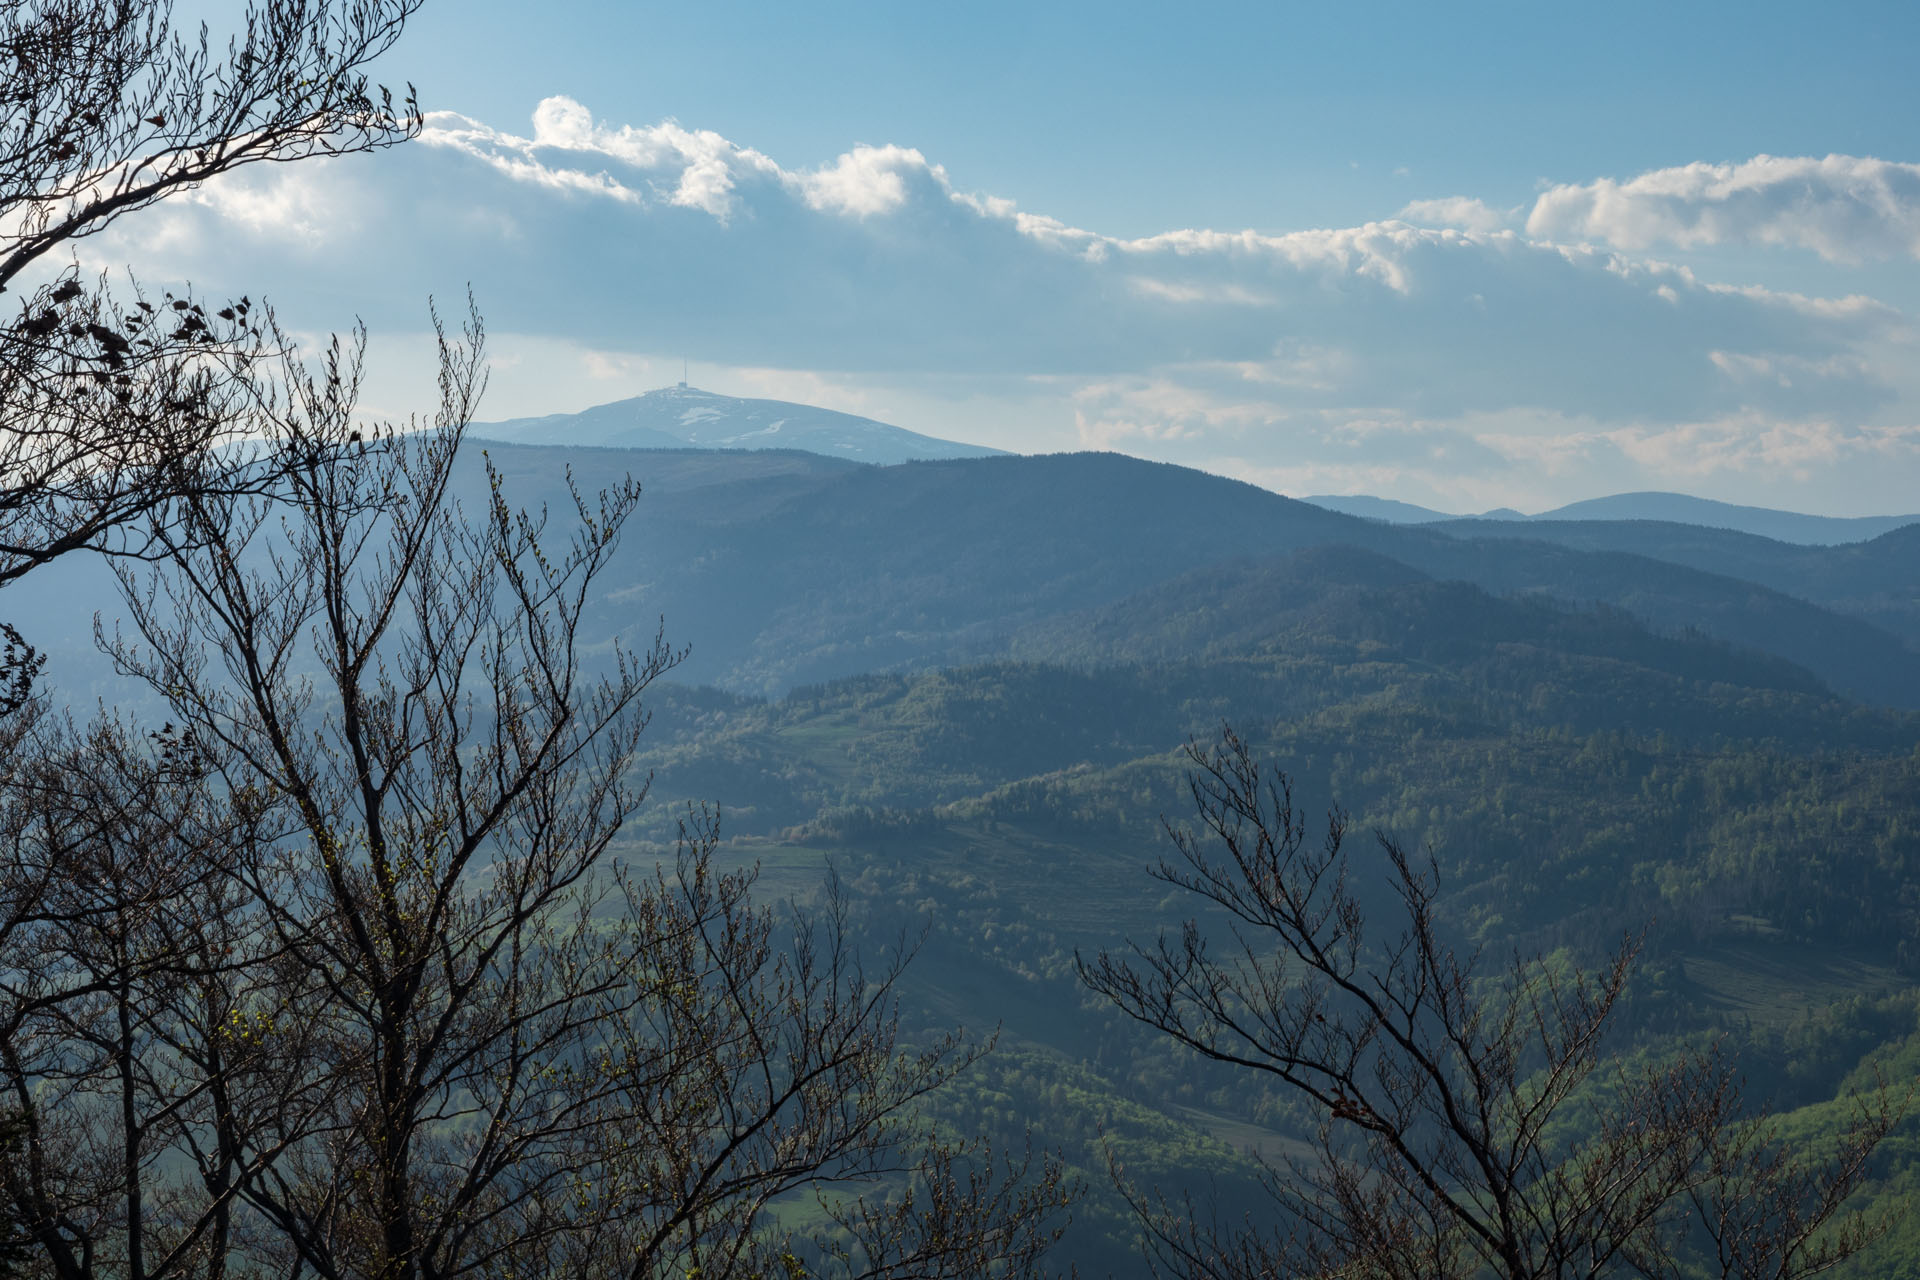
point(663, 163)
point(865, 181)
point(296, 206)
point(1173, 291)
point(1740, 454)
point(696, 169)
point(562, 122)
point(1844, 208)
point(1463, 212)
point(1441, 346)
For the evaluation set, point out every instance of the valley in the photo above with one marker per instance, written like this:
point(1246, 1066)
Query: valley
point(1700, 739)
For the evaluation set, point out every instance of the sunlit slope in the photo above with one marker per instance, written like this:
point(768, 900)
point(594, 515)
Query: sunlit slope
point(1758, 834)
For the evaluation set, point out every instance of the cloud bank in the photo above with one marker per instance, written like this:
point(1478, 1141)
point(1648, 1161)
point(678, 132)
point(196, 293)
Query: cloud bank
point(1426, 354)
point(1844, 208)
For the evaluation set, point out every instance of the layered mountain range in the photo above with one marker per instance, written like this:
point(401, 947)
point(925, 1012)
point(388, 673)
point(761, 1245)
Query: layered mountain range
point(781, 568)
point(790, 568)
point(963, 684)
point(683, 416)
point(1664, 508)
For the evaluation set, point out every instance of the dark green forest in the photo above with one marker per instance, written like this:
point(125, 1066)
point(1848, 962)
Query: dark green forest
point(1577, 777)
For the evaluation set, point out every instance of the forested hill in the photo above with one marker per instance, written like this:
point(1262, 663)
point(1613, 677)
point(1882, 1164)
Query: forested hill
point(788, 568)
point(1576, 778)
point(1877, 579)
point(965, 685)
point(1338, 599)
point(794, 572)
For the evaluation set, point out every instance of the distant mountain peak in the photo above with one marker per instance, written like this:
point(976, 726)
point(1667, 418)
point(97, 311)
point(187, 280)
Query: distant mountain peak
point(1670, 508)
point(683, 416)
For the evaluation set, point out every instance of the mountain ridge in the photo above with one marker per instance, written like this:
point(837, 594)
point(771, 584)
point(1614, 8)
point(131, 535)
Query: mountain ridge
point(681, 417)
point(784, 568)
point(1793, 527)
point(888, 568)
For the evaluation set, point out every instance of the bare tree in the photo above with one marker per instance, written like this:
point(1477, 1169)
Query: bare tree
point(336, 977)
point(507, 1058)
point(110, 404)
point(1471, 1126)
point(113, 403)
point(15, 1248)
point(123, 961)
point(741, 1075)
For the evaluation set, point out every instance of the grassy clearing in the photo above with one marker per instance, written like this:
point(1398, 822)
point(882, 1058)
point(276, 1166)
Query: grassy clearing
point(1778, 984)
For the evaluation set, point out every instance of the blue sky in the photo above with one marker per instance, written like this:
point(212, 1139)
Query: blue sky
point(1464, 256)
point(1135, 118)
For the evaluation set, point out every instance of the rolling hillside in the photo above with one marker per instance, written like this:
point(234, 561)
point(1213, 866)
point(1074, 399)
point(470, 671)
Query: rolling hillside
point(789, 568)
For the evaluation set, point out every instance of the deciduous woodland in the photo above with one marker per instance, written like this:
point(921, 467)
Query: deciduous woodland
point(1078, 886)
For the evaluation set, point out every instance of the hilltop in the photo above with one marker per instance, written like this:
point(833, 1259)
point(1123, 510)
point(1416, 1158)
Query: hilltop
point(1664, 508)
point(682, 417)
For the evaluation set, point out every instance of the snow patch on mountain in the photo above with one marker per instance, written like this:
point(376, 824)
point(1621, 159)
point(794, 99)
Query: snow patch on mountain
point(687, 417)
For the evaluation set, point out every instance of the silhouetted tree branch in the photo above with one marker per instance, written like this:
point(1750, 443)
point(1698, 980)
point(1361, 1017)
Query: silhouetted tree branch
point(1471, 1126)
point(334, 974)
point(111, 403)
point(504, 1055)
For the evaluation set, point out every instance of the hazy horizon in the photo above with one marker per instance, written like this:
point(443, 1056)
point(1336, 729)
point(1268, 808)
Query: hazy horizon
point(1440, 256)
